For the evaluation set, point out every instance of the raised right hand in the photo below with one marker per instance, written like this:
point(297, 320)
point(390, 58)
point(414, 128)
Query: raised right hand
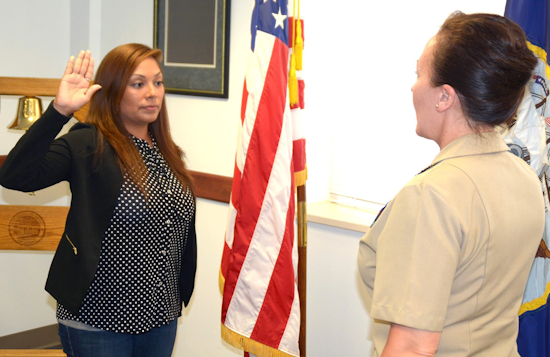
point(74, 90)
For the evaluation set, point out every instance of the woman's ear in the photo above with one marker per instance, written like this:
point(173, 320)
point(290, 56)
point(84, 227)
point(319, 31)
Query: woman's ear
point(447, 97)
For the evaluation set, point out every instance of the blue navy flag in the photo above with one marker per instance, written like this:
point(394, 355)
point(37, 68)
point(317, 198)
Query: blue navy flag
point(532, 16)
point(528, 137)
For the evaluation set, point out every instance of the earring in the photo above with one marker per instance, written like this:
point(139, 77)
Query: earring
point(437, 105)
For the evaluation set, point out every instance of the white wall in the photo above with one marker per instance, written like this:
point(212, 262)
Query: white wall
point(371, 49)
point(23, 302)
point(359, 63)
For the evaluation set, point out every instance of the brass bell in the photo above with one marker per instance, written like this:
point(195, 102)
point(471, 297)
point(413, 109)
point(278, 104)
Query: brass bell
point(28, 111)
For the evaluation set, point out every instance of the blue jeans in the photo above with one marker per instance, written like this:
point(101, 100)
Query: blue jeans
point(159, 342)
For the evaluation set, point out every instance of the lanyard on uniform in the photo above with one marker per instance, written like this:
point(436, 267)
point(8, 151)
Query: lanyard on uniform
point(383, 208)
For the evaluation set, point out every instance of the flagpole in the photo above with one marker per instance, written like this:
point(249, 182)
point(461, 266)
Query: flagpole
point(302, 264)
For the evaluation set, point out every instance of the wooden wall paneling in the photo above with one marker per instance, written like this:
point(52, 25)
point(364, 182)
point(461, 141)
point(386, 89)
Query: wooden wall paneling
point(208, 186)
point(32, 353)
point(212, 187)
point(22, 86)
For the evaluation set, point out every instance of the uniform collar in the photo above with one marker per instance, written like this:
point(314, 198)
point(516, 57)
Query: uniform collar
point(472, 144)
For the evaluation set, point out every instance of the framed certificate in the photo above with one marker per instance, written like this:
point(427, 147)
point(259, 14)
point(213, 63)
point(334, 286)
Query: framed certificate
point(194, 38)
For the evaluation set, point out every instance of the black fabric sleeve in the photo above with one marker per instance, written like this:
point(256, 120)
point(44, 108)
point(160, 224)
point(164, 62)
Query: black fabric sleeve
point(189, 265)
point(37, 161)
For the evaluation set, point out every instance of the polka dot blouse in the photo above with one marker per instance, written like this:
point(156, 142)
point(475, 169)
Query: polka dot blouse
point(135, 287)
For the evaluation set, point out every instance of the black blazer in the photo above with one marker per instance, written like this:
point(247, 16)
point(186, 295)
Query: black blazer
point(38, 161)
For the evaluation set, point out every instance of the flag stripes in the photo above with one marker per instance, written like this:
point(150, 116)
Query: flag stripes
point(260, 308)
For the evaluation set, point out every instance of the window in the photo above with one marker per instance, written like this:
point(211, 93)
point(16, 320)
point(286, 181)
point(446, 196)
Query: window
point(373, 147)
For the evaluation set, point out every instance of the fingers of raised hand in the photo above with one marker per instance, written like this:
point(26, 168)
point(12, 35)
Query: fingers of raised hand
point(78, 63)
point(80, 67)
point(89, 70)
point(85, 63)
point(70, 65)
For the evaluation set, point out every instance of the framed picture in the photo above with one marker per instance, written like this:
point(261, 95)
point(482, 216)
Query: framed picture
point(194, 38)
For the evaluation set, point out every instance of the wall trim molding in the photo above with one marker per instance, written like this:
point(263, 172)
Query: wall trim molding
point(208, 186)
point(38, 338)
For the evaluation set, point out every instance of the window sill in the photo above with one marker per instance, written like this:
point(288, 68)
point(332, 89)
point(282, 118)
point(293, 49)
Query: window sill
point(332, 214)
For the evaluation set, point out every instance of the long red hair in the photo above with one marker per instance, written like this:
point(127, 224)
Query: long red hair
point(113, 75)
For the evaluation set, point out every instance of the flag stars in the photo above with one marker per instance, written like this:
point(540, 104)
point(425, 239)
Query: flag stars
point(279, 19)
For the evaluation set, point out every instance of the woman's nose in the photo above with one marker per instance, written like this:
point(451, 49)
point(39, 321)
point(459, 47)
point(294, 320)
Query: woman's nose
point(151, 90)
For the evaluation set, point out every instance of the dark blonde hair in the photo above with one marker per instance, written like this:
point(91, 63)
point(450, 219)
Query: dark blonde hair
point(113, 75)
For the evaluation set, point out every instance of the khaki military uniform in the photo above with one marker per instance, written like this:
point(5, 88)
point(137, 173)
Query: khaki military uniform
point(452, 251)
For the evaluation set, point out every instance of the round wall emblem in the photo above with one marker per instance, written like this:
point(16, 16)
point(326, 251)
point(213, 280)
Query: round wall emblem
point(27, 228)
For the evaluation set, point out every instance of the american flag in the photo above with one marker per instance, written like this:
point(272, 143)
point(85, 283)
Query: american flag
point(261, 309)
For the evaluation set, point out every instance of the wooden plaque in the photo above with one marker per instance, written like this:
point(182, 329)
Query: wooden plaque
point(31, 227)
